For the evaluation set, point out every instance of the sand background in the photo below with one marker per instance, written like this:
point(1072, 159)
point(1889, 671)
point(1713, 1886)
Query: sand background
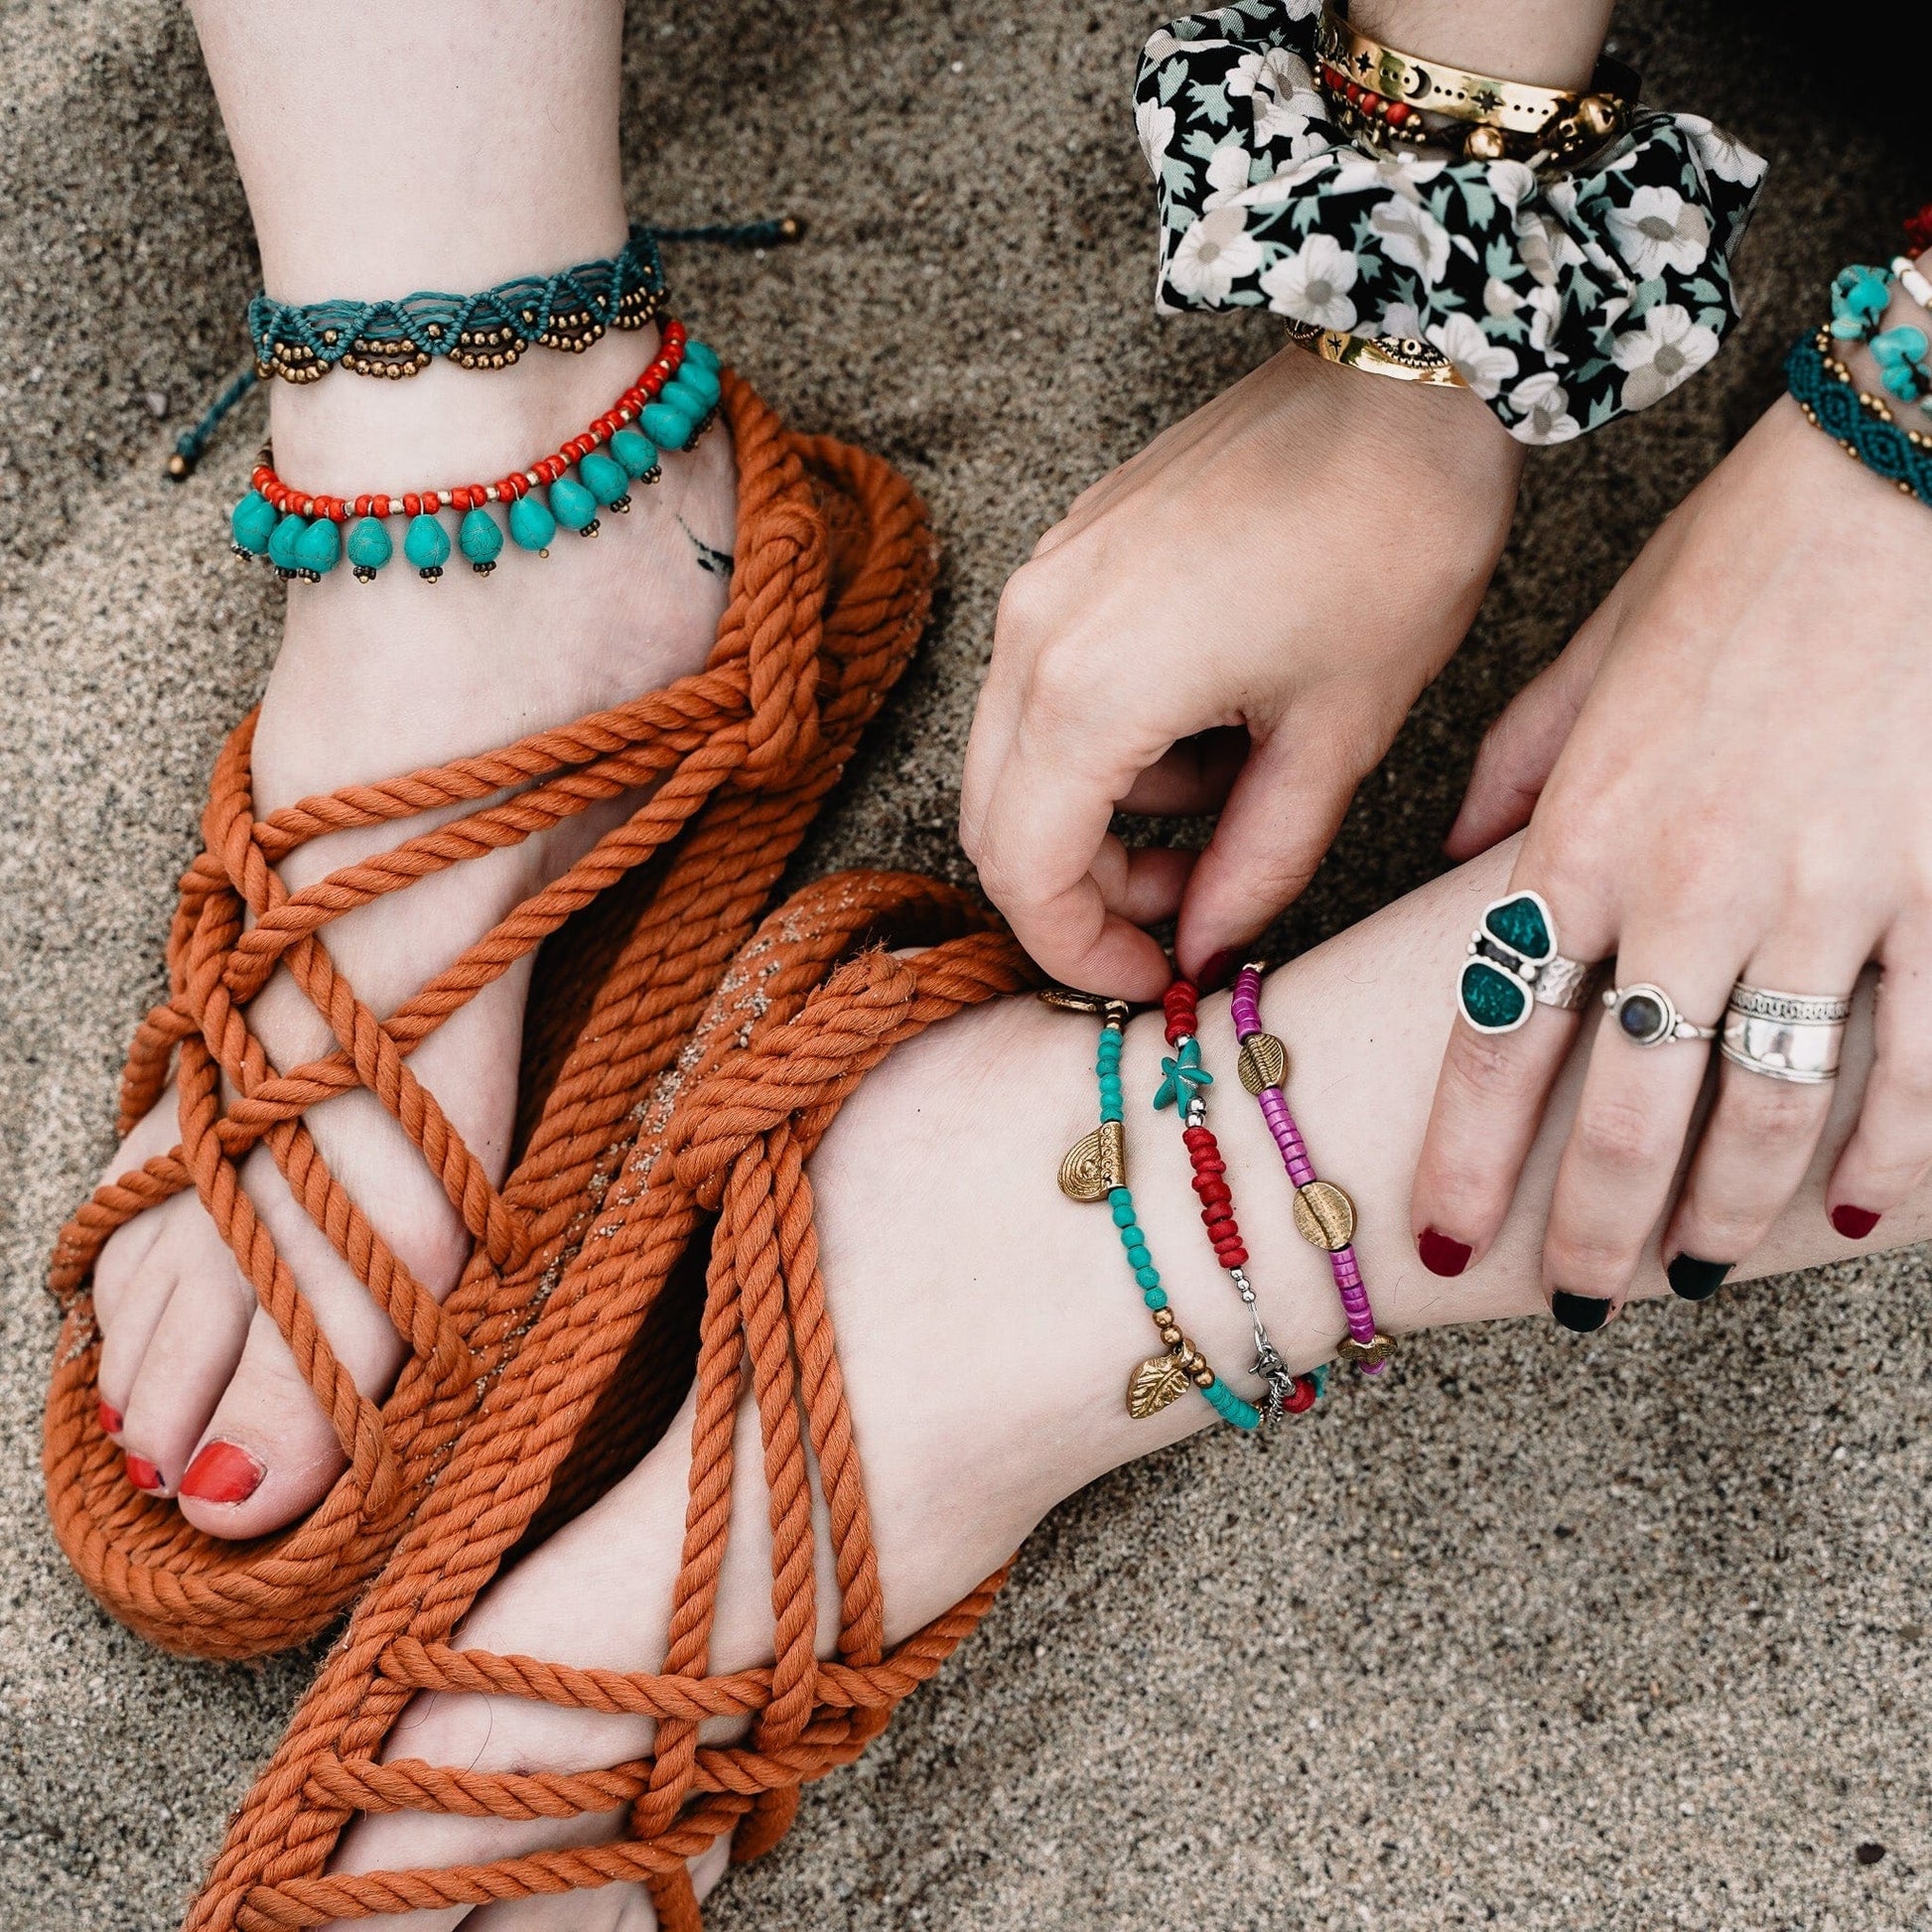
point(1619, 1633)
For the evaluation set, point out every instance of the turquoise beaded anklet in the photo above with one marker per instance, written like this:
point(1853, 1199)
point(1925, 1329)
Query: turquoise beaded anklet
point(672, 403)
point(1095, 1170)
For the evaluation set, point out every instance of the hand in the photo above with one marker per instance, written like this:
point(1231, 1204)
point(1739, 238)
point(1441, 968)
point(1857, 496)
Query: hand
point(1238, 617)
point(1734, 785)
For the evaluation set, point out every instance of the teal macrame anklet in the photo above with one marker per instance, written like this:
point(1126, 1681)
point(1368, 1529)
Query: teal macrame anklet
point(1095, 1170)
point(1860, 423)
point(303, 341)
point(672, 403)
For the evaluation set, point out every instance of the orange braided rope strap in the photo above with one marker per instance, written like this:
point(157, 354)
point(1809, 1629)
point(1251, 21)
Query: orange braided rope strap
point(735, 759)
point(768, 1089)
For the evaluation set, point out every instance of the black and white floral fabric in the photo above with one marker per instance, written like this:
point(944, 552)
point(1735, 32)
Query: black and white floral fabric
point(1564, 300)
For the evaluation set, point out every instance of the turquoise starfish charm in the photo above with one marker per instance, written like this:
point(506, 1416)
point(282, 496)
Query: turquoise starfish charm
point(1184, 1077)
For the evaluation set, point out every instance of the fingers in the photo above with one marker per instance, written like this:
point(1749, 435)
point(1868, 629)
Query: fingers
point(1762, 1131)
point(1282, 814)
point(1048, 861)
point(1493, 1085)
point(1625, 1144)
point(1193, 779)
point(1519, 750)
point(1890, 1148)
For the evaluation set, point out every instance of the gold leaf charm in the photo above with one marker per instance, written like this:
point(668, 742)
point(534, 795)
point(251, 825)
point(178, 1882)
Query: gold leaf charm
point(1154, 1384)
point(1366, 1355)
point(1324, 1217)
point(1096, 1162)
point(1262, 1063)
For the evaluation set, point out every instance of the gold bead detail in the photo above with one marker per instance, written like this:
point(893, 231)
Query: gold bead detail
point(1325, 1216)
point(1597, 115)
point(1263, 1062)
point(1484, 143)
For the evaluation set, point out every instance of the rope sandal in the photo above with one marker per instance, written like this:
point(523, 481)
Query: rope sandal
point(832, 585)
point(788, 1037)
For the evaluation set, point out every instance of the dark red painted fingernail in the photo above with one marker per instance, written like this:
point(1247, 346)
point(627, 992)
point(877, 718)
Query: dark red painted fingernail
point(1440, 1254)
point(142, 1473)
point(1854, 1223)
point(110, 1418)
point(223, 1472)
point(1215, 971)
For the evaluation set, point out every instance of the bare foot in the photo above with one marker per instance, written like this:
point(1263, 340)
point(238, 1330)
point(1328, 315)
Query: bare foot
point(985, 1332)
point(372, 681)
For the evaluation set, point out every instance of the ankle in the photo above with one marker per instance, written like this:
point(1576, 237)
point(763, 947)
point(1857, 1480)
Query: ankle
point(349, 434)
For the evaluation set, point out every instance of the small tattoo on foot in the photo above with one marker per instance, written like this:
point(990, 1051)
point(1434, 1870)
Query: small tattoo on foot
point(717, 562)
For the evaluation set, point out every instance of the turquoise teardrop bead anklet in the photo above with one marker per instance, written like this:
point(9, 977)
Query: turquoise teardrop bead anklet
point(672, 403)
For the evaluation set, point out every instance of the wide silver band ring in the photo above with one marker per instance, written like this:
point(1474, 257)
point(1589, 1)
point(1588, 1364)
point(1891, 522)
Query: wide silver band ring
point(1565, 983)
point(1647, 1015)
point(1795, 1037)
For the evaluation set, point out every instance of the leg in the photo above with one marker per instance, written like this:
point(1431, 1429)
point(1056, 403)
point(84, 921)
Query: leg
point(986, 1327)
point(451, 151)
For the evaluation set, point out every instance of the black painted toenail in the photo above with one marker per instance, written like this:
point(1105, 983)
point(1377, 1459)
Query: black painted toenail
point(1695, 1279)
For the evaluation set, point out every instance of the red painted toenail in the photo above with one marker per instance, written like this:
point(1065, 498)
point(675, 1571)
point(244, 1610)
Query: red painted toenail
point(1854, 1223)
point(223, 1472)
point(1440, 1254)
point(142, 1473)
point(111, 1418)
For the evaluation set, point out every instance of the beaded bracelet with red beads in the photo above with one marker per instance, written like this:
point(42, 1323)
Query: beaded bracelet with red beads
point(672, 403)
point(1184, 1079)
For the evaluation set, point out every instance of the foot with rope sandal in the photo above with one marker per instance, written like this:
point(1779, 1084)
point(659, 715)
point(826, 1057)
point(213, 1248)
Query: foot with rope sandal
point(561, 528)
point(930, 1315)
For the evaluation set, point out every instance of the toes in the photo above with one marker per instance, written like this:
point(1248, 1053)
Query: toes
point(189, 1353)
point(267, 1454)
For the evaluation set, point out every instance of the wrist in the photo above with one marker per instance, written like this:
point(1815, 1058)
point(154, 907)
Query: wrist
point(1545, 42)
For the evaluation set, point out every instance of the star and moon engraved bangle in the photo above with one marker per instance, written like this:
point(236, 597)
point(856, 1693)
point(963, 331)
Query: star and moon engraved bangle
point(1383, 97)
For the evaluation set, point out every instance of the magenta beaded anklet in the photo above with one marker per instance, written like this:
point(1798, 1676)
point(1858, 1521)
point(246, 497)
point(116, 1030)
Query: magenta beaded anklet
point(1325, 1216)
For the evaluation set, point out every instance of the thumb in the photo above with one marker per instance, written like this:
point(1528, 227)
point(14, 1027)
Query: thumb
point(1519, 750)
point(1282, 815)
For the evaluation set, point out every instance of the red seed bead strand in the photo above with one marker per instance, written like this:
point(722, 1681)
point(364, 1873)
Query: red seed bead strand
point(506, 490)
point(1181, 1005)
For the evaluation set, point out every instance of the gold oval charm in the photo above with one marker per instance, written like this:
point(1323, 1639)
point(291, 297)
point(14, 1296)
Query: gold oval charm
point(1154, 1384)
point(1325, 1216)
point(1263, 1062)
point(1096, 1164)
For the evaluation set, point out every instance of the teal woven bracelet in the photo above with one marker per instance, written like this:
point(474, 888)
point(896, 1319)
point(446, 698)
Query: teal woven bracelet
point(1861, 424)
point(569, 310)
point(1095, 1170)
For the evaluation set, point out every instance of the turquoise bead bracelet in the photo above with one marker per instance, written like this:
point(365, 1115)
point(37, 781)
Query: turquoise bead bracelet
point(1860, 296)
point(671, 406)
point(1095, 1170)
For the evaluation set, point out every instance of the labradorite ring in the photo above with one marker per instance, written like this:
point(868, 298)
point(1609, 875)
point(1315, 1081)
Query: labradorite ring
point(1513, 964)
point(1648, 1015)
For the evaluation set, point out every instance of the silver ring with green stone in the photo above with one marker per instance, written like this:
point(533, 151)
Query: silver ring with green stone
point(1648, 1015)
point(1513, 964)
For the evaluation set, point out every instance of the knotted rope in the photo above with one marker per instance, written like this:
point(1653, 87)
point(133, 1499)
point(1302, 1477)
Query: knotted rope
point(733, 762)
point(790, 1036)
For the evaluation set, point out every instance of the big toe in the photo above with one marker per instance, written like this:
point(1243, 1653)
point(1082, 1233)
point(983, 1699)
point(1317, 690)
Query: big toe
point(190, 1351)
point(267, 1454)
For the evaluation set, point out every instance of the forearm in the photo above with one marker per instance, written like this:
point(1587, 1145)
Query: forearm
point(1550, 42)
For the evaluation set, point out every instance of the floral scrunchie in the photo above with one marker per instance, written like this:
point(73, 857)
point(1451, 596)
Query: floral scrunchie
point(1563, 300)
